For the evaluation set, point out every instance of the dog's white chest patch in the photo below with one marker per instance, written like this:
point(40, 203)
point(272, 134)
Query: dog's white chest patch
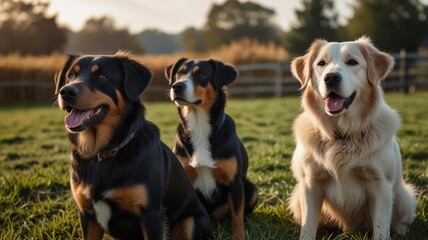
point(103, 213)
point(200, 130)
point(205, 182)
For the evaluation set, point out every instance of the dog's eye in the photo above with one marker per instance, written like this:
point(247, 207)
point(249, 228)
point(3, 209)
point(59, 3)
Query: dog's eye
point(101, 76)
point(321, 63)
point(71, 75)
point(179, 73)
point(351, 62)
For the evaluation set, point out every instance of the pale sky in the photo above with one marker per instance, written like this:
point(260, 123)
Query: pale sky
point(170, 16)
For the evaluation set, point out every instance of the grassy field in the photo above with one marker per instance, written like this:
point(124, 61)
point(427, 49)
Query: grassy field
point(35, 201)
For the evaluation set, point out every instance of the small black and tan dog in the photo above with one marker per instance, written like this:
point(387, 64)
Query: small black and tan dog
point(207, 144)
point(124, 180)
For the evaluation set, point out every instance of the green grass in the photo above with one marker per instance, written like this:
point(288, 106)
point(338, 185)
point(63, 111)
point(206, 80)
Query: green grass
point(36, 203)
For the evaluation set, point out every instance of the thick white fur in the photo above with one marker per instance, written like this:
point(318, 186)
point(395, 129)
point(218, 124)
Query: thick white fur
point(200, 130)
point(348, 166)
point(103, 213)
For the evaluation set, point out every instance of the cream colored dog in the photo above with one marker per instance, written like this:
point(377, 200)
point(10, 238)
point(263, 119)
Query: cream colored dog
point(347, 162)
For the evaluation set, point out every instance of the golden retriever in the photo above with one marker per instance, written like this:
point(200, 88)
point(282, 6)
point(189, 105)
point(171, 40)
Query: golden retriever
point(347, 162)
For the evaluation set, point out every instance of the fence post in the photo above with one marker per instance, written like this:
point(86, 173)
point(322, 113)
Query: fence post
point(278, 79)
point(403, 88)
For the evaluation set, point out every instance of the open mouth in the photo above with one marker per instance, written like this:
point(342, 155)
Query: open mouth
point(335, 103)
point(181, 101)
point(78, 120)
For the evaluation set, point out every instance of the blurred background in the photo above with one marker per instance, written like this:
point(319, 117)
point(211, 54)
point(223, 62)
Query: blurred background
point(260, 37)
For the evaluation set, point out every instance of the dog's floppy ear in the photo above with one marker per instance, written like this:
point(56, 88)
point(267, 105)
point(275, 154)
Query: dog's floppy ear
point(301, 67)
point(137, 78)
point(379, 64)
point(60, 76)
point(171, 70)
point(223, 73)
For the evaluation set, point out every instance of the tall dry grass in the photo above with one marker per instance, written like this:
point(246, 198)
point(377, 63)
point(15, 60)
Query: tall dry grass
point(238, 52)
point(18, 67)
point(41, 69)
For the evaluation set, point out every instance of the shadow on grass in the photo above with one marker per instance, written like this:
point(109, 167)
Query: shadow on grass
point(13, 140)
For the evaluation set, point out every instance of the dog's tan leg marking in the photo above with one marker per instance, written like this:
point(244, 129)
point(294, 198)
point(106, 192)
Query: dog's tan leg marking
point(225, 170)
point(238, 226)
point(95, 232)
point(184, 229)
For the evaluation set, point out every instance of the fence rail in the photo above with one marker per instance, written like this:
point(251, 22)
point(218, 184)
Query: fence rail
point(410, 74)
point(262, 79)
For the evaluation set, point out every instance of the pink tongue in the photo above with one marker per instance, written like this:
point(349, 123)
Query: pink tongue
point(335, 103)
point(76, 118)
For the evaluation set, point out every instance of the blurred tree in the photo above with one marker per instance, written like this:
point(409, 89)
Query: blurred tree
point(317, 19)
point(158, 42)
point(100, 36)
point(392, 24)
point(233, 20)
point(193, 40)
point(26, 28)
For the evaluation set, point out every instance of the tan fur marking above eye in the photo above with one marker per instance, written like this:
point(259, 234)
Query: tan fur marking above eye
point(226, 170)
point(132, 198)
point(207, 95)
point(76, 68)
point(196, 69)
point(184, 229)
point(95, 68)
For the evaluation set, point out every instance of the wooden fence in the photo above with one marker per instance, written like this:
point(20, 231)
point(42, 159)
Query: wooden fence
point(410, 74)
point(264, 79)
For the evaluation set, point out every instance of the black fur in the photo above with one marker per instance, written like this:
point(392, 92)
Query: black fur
point(239, 192)
point(144, 161)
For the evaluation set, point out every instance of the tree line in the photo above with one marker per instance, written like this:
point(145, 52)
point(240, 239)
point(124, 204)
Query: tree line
point(25, 27)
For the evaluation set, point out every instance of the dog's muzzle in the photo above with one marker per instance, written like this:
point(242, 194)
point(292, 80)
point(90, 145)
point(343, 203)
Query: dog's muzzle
point(178, 94)
point(68, 92)
point(332, 80)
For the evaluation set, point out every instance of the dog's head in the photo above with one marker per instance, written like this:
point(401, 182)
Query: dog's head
point(340, 72)
point(196, 82)
point(95, 90)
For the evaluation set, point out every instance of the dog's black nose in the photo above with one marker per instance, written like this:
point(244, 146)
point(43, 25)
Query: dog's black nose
point(179, 87)
point(332, 79)
point(68, 92)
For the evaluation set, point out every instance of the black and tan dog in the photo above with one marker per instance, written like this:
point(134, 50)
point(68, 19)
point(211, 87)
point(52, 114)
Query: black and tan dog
point(124, 180)
point(207, 144)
